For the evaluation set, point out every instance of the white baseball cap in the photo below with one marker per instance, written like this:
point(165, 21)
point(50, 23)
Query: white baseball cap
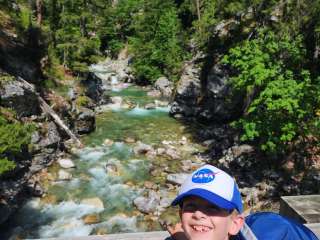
point(213, 185)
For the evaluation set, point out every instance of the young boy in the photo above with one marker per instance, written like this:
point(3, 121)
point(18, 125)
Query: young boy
point(210, 206)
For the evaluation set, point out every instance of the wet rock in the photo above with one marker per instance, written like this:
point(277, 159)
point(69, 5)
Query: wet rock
point(64, 175)
point(111, 168)
point(154, 93)
point(164, 86)
point(85, 121)
point(150, 106)
point(108, 142)
point(147, 204)
point(161, 103)
point(95, 202)
point(66, 163)
point(129, 140)
point(24, 101)
point(116, 100)
point(142, 148)
point(91, 219)
point(177, 178)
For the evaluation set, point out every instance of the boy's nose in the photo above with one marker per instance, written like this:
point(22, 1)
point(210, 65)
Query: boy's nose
point(198, 214)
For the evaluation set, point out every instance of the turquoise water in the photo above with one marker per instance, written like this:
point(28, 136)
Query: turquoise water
point(62, 211)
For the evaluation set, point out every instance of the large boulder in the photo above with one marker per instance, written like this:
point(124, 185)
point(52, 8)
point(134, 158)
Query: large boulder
point(85, 121)
point(188, 92)
point(51, 138)
point(164, 86)
point(24, 101)
point(220, 102)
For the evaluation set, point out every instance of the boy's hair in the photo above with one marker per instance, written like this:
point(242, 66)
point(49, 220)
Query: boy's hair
point(213, 185)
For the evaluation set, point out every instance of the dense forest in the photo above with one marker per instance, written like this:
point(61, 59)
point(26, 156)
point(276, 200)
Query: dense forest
point(272, 48)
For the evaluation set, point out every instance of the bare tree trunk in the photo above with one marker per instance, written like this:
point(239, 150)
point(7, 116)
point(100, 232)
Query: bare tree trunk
point(198, 9)
point(39, 11)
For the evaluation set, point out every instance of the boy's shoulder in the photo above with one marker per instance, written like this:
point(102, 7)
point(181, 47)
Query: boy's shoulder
point(269, 225)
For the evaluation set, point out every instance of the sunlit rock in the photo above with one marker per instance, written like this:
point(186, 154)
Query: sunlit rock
point(112, 169)
point(154, 93)
point(164, 86)
point(95, 202)
point(91, 219)
point(108, 142)
point(64, 175)
point(172, 153)
point(49, 199)
point(161, 151)
point(150, 106)
point(147, 204)
point(183, 140)
point(66, 163)
point(177, 178)
point(129, 140)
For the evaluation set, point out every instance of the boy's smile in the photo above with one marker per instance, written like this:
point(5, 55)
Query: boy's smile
point(203, 220)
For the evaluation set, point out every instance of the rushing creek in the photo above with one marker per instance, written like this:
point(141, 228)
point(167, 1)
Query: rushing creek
point(109, 175)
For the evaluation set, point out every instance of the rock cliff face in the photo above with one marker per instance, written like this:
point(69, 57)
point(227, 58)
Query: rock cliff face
point(208, 99)
point(188, 93)
point(22, 59)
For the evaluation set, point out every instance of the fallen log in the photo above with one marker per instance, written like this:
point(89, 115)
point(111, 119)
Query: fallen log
point(47, 109)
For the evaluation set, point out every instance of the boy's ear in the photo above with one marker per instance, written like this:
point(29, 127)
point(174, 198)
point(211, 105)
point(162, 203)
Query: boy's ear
point(236, 224)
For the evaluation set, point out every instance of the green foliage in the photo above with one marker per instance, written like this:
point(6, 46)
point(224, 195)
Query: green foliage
point(269, 68)
point(6, 165)
point(4, 78)
point(82, 101)
point(13, 136)
point(72, 29)
point(157, 45)
point(118, 24)
point(204, 25)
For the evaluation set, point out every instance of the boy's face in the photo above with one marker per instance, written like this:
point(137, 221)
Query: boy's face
point(205, 221)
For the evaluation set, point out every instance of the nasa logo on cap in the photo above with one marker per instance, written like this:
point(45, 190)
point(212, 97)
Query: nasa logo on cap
point(204, 175)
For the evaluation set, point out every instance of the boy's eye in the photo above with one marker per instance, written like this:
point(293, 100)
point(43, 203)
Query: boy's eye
point(189, 207)
point(213, 209)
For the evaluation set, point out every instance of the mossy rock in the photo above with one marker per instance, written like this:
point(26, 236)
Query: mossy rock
point(83, 101)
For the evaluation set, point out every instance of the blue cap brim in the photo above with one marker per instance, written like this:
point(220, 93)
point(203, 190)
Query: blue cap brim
point(208, 196)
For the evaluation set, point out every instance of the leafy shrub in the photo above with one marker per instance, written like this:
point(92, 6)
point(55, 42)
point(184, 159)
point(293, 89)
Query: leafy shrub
point(270, 71)
point(83, 101)
point(13, 137)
